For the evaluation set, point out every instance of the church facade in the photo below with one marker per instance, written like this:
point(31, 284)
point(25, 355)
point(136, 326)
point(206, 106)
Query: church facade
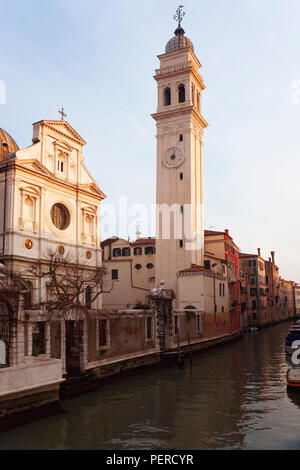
point(50, 205)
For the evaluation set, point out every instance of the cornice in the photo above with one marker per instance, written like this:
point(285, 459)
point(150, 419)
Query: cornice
point(179, 111)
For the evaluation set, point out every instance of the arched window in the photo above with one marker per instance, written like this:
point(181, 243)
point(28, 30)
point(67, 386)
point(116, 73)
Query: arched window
point(117, 252)
point(167, 96)
point(181, 94)
point(126, 252)
point(28, 208)
point(138, 251)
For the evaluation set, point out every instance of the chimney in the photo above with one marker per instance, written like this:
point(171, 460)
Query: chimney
point(273, 256)
point(227, 231)
point(259, 251)
point(270, 259)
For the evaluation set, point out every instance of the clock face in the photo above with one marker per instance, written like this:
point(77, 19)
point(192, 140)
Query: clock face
point(173, 158)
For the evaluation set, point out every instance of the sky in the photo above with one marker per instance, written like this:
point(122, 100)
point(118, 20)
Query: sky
point(97, 59)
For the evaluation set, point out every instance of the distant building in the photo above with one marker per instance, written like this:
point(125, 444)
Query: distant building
point(131, 268)
point(297, 298)
point(254, 266)
point(221, 244)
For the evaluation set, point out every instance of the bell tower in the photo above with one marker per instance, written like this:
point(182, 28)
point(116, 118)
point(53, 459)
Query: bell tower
point(180, 126)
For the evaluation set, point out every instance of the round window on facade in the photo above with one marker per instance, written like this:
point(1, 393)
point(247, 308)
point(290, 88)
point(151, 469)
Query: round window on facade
point(60, 216)
point(150, 266)
point(138, 266)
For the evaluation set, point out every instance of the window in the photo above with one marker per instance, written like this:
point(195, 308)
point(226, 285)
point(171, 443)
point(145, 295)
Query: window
point(149, 329)
point(253, 304)
point(138, 267)
point(138, 251)
point(150, 250)
point(207, 264)
point(167, 97)
point(176, 325)
point(126, 252)
point(28, 295)
point(220, 290)
point(181, 176)
point(252, 263)
point(88, 296)
point(117, 252)
point(181, 138)
point(38, 339)
point(181, 94)
point(253, 291)
point(222, 309)
point(60, 216)
point(181, 210)
point(223, 290)
point(216, 309)
point(198, 323)
point(180, 243)
point(150, 266)
point(103, 334)
point(115, 274)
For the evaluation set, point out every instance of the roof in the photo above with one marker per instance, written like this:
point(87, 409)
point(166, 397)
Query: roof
point(108, 241)
point(7, 145)
point(210, 233)
point(144, 241)
point(247, 255)
point(179, 41)
point(194, 269)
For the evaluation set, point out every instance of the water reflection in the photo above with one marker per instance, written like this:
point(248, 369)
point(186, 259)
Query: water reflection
point(233, 397)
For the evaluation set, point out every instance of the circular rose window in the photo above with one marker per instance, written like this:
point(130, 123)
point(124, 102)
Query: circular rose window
point(60, 216)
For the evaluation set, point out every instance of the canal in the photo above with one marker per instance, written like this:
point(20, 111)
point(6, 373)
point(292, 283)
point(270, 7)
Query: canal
point(234, 397)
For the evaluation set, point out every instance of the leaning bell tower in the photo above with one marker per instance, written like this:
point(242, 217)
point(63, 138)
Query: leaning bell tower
point(180, 126)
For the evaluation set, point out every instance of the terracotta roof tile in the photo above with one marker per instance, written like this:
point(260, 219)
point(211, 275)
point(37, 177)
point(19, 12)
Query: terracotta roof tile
point(194, 269)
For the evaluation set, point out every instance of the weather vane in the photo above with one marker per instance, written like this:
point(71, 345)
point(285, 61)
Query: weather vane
point(180, 14)
point(63, 114)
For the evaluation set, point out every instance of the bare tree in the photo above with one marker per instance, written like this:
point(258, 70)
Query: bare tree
point(71, 287)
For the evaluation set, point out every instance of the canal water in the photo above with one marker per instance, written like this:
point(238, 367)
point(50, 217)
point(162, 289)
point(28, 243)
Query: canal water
point(234, 397)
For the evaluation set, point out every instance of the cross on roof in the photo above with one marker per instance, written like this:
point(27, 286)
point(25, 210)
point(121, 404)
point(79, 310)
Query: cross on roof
point(63, 114)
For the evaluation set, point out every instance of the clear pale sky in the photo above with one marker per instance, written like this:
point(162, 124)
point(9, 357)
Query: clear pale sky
point(97, 59)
